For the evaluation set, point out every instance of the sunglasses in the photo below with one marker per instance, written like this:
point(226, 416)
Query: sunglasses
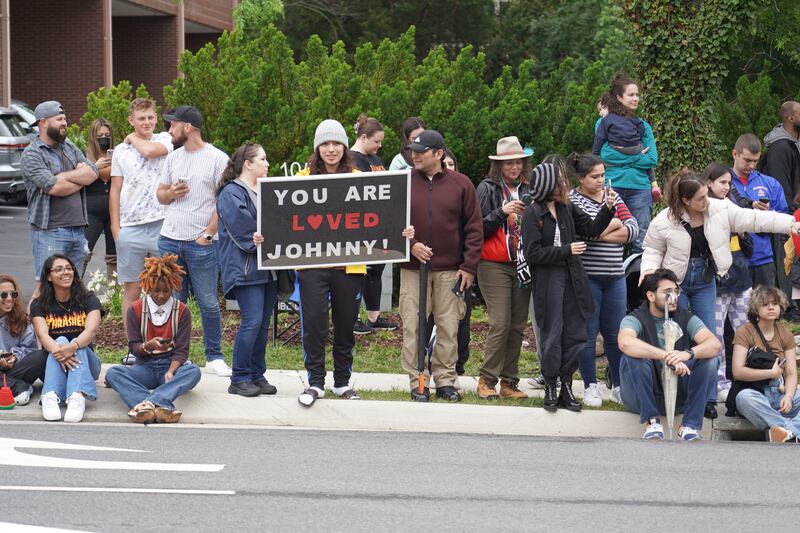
point(4, 295)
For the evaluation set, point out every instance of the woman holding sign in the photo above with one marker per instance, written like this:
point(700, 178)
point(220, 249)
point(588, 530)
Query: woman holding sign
point(255, 290)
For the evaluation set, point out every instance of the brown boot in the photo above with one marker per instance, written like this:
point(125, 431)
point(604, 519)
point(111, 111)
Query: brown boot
point(509, 389)
point(486, 391)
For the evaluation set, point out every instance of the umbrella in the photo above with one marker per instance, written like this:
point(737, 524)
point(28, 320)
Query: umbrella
point(423, 324)
point(672, 332)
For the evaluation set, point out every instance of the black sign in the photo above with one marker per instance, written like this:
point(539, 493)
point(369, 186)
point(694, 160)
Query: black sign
point(333, 219)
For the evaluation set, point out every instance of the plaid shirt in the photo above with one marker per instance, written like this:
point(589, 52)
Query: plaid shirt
point(38, 172)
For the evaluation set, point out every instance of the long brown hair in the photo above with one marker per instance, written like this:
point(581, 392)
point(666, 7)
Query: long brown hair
point(93, 151)
point(410, 124)
point(684, 184)
point(615, 91)
point(496, 170)
point(246, 152)
point(317, 165)
point(561, 190)
point(17, 318)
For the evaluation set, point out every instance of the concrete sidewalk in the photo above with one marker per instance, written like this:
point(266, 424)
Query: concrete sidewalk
point(210, 403)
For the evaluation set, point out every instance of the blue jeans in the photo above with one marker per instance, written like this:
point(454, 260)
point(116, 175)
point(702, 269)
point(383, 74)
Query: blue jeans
point(145, 381)
point(640, 204)
point(68, 241)
point(700, 297)
point(81, 379)
point(202, 268)
point(610, 297)
point(256, 303)
point(637, 386)
point(762, 409)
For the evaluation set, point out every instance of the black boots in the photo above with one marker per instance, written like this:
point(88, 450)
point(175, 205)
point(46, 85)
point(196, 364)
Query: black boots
point(550, 395)
point(566, 398)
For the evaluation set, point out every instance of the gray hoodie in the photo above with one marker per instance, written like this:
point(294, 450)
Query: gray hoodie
point(778, 133)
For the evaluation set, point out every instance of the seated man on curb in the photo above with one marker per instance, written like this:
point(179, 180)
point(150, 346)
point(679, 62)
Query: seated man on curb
point(641, 340)
point(159, 328)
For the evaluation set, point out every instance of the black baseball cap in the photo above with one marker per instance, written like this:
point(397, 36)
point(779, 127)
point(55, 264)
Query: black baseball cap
point(186, 113)
point(427, 140)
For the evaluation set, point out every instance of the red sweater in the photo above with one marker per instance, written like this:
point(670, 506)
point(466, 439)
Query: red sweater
point(446, 216)
point(133, 325)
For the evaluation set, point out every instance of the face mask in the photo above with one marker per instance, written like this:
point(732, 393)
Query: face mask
point(104, 143)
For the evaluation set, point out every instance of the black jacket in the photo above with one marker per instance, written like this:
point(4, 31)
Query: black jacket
point(538, 232)
point(490, 196)
point(782, 162)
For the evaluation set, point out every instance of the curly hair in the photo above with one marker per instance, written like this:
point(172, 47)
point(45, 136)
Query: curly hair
point(164, 268)
point(761, 296)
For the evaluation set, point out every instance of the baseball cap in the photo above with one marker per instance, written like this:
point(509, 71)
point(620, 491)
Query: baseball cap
point(427, 140)
point(48, 109)
point(186, 113)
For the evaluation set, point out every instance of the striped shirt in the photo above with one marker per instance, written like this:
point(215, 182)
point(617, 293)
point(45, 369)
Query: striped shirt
point(187, 217)
point(604, 259)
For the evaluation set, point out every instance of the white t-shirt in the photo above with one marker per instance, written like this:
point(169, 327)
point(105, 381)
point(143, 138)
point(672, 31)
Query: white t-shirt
point(189, 216)
point(140, 177)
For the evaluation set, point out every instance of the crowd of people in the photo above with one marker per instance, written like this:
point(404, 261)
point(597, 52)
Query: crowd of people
point(552, 243)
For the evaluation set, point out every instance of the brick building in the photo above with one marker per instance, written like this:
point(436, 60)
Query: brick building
point(63, 49)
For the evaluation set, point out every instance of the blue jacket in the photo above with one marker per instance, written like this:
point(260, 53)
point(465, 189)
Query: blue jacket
point(238, 259)
point(630, 171)
point(759, 185)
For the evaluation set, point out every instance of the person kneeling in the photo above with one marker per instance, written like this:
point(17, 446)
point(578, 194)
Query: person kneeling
point(641, 340)
point(767, 397)
point(159, 328)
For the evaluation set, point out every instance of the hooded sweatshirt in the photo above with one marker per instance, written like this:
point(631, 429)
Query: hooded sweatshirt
point(782, 162)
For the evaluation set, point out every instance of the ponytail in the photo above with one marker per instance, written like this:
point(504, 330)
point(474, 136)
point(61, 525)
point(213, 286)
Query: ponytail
point(367, 126)
point(246, 152)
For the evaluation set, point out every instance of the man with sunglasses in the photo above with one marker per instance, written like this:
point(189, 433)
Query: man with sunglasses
point(641, 340)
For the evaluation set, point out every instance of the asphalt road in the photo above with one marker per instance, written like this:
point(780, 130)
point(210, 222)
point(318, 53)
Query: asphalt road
point(290, 480)
point(16, 257)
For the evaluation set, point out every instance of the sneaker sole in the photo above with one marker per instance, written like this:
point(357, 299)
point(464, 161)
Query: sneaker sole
point(363, 332)
point(385, 329)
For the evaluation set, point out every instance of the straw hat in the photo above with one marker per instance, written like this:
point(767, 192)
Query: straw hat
point(510, 148)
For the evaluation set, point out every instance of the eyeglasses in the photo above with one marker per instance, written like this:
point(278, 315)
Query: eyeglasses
point(4, 295)
point(62, 269)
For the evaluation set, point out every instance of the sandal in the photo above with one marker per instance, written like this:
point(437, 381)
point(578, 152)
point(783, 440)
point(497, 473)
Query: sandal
point(308, 397)
point(143, 413)
point(165, 416)
point(349, 394)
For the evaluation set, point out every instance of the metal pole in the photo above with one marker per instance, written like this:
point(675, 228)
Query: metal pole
point(5, 53)
point(108, 45)
point(181, 31)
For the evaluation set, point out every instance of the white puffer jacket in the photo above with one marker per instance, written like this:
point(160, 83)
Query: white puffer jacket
point(667, 244)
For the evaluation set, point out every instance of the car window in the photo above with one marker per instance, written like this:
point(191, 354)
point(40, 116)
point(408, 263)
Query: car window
point(12, 126)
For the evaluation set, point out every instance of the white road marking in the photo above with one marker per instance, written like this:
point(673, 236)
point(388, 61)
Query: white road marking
point(36, 488)
point(8, 527)
point(7, 218)
point(10, 456)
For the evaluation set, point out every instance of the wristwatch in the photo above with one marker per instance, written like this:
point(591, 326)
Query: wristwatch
point(208, 237)
point(691, 353)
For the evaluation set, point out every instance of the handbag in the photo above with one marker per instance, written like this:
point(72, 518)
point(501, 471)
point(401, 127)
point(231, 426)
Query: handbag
point(757, 359)
point(286, 279)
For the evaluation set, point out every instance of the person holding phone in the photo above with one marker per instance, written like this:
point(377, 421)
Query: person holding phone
point(21, 362)
point(159, 328)
point(99, 150)
point(561, 295)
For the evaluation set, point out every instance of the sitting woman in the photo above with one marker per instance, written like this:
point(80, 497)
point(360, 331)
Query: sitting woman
point(65, 318)
point(159, 328)
point(767, 398)
point(21, 362)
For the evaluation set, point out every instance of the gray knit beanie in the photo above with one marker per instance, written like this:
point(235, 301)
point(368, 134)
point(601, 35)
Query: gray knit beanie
point(330, 130)
point(543, 181)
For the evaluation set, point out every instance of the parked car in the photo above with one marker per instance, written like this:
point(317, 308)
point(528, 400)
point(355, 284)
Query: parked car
point(15, 136)
point(25, 112)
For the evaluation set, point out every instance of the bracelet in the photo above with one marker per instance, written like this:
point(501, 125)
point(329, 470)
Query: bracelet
point(76, 343)
point(691, 354)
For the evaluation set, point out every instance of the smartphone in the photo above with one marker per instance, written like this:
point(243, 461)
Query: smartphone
point(607, 182)
point(183, 180)
point(6, 355)
point(457, 287)
point(764, 200)
point(110, 152)
point(165, 341)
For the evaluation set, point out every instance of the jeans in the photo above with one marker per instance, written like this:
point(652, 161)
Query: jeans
point(256, 303)
point(81, 379)
point(610, 297)
point(202, 269)
point(68, 241)
point(145, 381)
point(642, 394)
point(700, 297)
point(762, 409)
point(640, 204)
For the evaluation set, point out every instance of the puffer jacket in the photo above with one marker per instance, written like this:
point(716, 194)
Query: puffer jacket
point(667, 244)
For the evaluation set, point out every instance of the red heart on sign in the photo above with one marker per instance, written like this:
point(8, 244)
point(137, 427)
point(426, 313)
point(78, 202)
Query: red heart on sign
point(314, 221)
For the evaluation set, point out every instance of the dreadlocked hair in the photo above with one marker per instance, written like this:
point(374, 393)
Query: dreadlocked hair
point(161, 268)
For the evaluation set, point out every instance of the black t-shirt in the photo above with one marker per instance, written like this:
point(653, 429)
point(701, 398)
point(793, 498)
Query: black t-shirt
point(699, 241)
point(366, 163)
point(66, 319)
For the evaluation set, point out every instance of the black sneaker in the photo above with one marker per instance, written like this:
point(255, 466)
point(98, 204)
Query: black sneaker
point(448, 393)
point(361, 329)
point(265, 386)
point(418, 396)
point(711, 410)
point(382, 324)
point(245, 388)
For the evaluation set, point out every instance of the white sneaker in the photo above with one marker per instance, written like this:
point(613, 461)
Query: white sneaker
point(218, 367)
point(50, 408)
point(722, 395)
point(76, 405)
point(654, 430)
point(24, 397)
point(592, 396)
point(616, 395)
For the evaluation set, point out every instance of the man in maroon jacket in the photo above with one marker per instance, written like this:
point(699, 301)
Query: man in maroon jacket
point(447, 220)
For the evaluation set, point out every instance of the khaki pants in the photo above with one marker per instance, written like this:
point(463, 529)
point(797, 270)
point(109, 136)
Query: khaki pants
point(447, 310)
point(507, 309)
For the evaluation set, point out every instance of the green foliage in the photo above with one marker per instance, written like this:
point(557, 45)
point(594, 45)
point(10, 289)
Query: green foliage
point(754, 110)
point(111, 104)
point(683, 50)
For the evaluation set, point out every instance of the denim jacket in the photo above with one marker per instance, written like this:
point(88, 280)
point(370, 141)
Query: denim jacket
point(38, 173)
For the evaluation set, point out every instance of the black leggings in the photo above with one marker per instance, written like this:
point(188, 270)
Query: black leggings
point(373, 286)
point(99, 222)
point(26, 371)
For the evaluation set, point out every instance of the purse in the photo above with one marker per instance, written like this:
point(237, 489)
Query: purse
point(286, 279)
point(757, 359)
